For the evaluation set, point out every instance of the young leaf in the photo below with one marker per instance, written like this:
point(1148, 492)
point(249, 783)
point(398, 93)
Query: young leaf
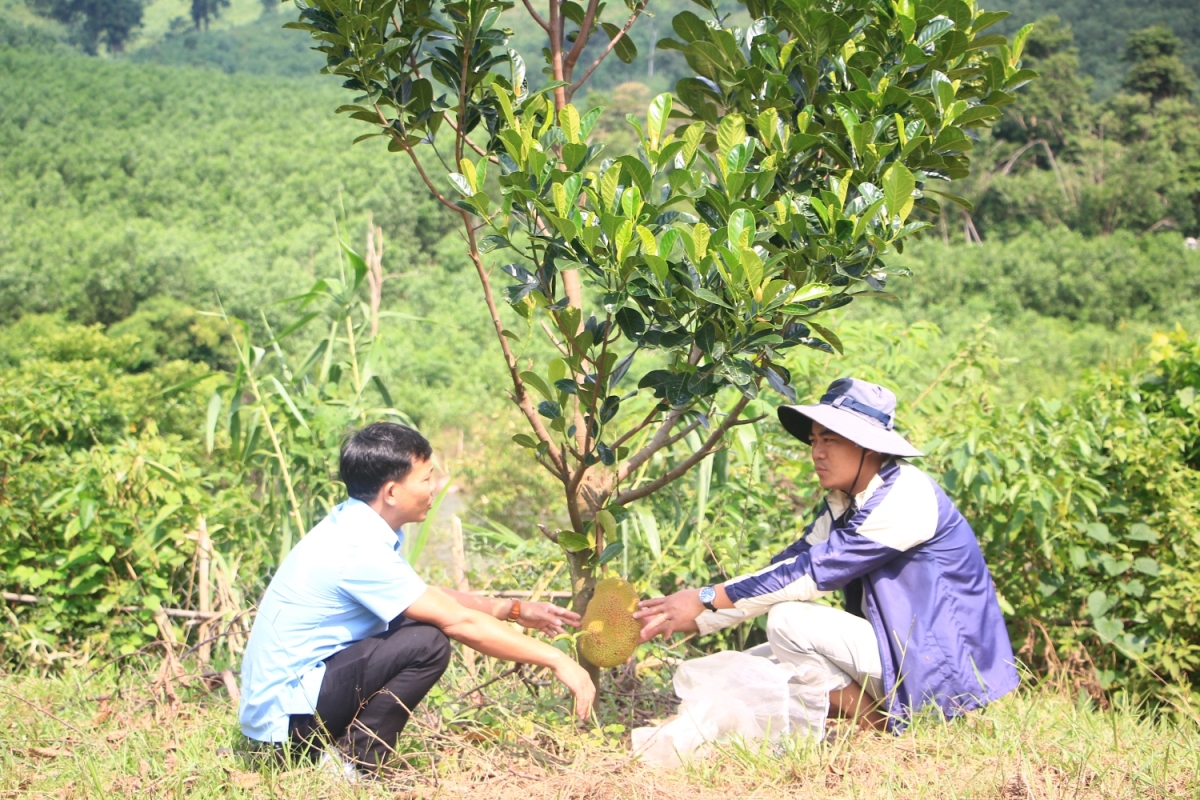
point(656, 119)
point(731, 131)
point(898, 186)
point(568, 118)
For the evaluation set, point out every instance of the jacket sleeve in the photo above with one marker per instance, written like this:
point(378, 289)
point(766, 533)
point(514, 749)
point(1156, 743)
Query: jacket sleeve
point(787, 578)
point(900, 515)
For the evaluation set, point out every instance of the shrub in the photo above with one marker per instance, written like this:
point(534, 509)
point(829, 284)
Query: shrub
point(101, 483)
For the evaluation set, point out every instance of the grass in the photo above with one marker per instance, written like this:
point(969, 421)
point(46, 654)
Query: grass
point(127, 734)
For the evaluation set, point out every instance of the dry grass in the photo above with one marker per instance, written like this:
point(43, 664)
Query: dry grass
point(110, 735)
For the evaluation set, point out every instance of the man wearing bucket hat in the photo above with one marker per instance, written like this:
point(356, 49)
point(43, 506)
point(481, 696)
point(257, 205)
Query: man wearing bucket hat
point(921, 624)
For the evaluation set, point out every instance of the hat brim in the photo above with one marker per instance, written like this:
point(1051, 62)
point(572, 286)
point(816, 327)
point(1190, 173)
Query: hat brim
point(798, 420)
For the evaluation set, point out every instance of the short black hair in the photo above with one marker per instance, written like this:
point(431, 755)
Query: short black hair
point(380, 452)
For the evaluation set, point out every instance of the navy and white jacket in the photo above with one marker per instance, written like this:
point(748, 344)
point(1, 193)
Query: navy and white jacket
point(924, 588)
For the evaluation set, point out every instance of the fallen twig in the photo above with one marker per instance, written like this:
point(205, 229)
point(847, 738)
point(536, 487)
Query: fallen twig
point(41, 710)
point(485, 684)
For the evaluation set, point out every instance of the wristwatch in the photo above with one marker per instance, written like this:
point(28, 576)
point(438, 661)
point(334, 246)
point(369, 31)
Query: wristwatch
point(707, 595)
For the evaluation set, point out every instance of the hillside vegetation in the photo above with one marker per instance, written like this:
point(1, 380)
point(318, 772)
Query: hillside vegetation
point(184, 317)
point(169, 184)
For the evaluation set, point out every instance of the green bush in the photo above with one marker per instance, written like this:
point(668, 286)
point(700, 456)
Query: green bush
point(101, 484)
point(1088, 512)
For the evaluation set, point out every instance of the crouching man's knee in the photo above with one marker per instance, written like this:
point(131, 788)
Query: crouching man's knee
point(789, 627)
point(434, 647)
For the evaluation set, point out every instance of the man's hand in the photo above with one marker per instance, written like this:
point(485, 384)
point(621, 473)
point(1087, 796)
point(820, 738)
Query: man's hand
point(674, 613)
point(547, 617)
point(575, 678)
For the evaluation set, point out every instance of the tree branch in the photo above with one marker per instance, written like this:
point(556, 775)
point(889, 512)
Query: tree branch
point(474, 146)
point(682, 468)
point(556, 57)
point(441, 198)
point(536, 16)
point(629, 434)
point(611, 44)
point(523, 400)
point(656, 443)
point(562, 348)
point(585, 32)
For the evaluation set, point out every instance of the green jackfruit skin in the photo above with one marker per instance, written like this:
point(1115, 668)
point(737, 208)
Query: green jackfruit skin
point(610, 633)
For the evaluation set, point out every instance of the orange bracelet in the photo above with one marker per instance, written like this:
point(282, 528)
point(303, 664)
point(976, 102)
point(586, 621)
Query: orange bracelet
point(515, 612)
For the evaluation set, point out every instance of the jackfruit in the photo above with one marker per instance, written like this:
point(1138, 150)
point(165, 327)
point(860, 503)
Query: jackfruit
point(610, 633)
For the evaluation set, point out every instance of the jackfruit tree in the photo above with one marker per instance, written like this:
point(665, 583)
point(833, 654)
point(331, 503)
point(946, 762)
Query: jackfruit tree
point(774, 185)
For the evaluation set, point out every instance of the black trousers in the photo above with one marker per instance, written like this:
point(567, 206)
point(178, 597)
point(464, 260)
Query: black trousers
point(370, 689)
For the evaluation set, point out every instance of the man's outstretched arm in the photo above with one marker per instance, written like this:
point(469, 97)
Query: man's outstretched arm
point(545, 617)
point(676, 613)
point(489, 636)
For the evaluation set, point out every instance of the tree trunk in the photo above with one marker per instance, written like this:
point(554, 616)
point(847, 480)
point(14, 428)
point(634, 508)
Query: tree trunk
point(583, 586)
point(591, 495)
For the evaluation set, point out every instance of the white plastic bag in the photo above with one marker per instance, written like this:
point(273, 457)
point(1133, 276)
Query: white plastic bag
point(748, 694)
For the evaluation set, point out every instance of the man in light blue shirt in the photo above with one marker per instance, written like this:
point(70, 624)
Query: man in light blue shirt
point(348, 639)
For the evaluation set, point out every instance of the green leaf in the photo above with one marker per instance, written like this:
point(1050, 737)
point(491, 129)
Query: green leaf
point(741, 229)
point(708, 296)
point(625, 49)
point(1141, 532)
point(656, 119)
point(287, 398)
point(731, 131)
point(608, 523)
point(568, 118)
point(536, 381)
point(1098, 604)
point(828, 336)
point(753, 266)
point(962, 202)
point(934, 30)
point(898, 186)
point(611, 551)
point(573, 542)
point(1146, 566)
point(1099, 532)
point(518, 73)
point(689, 27)
point(810, 291)
point(525, 440)
point(462, 184)
point(1109, 629)
point(210, 422)
point(1018, 44)
point(692, 136)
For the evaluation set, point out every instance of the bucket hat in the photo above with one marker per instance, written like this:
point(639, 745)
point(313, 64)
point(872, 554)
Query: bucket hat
point(862, 412)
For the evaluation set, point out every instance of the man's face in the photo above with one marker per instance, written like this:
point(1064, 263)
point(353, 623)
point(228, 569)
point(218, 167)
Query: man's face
point(409, 500)
point(836, 459)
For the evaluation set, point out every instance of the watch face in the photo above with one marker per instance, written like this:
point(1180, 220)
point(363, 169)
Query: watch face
point(707, 594)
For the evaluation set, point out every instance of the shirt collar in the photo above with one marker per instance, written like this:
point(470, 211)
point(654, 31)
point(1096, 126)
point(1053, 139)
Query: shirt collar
point(838, 501)
point(372, 524)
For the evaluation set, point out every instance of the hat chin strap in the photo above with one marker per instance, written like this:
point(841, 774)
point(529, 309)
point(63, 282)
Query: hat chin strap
point(861, 460)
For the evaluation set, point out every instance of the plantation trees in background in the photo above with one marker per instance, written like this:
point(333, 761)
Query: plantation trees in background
point(1156, 68)
point(773, 187)
point(1056, 157)
point(93, 23)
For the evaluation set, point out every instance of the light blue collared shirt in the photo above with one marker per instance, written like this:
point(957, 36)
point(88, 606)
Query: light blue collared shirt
point(343, 582)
